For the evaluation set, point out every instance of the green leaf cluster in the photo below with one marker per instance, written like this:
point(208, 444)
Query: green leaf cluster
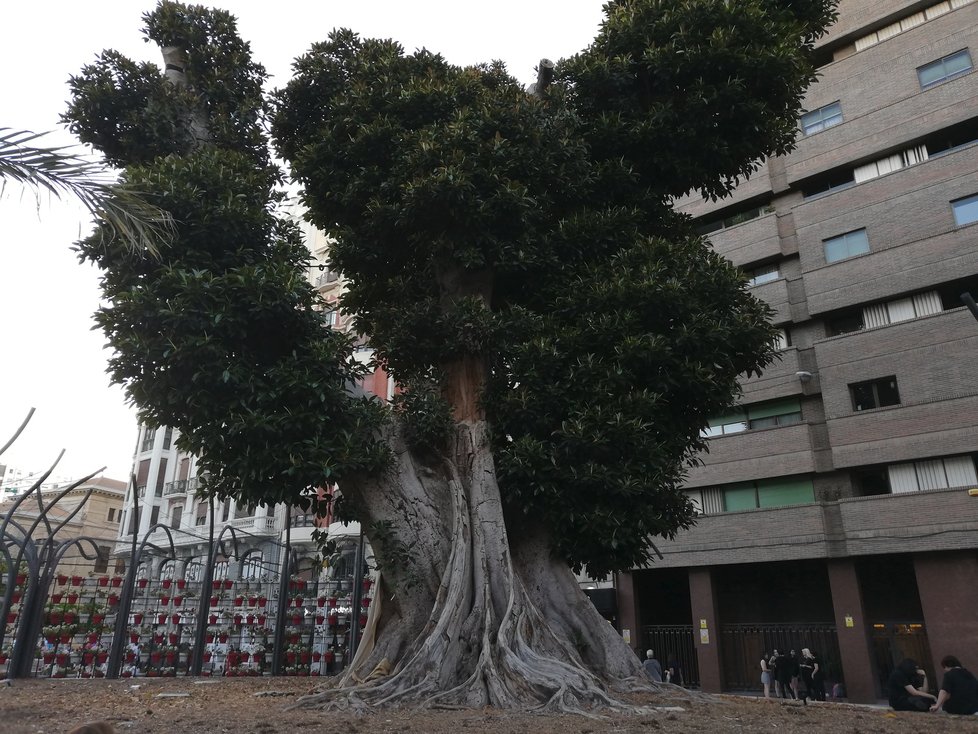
point(218, 334)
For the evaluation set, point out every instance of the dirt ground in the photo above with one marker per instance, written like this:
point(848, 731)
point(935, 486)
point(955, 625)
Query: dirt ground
point(232, 706)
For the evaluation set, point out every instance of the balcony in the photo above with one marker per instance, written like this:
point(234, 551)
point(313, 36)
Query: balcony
point(254, 525)
point(756, 454)
point(915, 522)
point(175, 488)
point(932, 359)
point(775, 295)
point(777, 381)
point(749, 242)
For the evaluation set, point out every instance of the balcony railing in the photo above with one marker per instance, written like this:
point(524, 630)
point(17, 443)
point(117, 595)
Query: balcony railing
point(177, 487)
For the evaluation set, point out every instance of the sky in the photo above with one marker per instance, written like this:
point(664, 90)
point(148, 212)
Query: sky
point(51, 359)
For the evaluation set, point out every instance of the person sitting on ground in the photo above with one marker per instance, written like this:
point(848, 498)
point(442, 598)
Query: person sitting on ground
point(902, 688)
point(674, 674)
point(652, 666)
point(959, 689)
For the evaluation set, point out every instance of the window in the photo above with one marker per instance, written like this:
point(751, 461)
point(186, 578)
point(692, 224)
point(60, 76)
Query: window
point(945, 69)
point(764, 274)
point(733, 220)
point(902, 309)
point(226, 510)
point(822, 118)
point(167, 439)
point(778, 492)
point(148, 435)
point(332, 318)
point(111, 514)
point(762, 415)
point(889, 164)
point(176, 515)
point(846, 245)
point(874, 393)
point(251, 567)
point(102, 559)
point(154, 516)
point(953, 471)
point(965, 210)
point(782, 340)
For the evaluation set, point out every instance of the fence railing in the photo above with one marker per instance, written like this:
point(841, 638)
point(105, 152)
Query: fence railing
point(742, 645)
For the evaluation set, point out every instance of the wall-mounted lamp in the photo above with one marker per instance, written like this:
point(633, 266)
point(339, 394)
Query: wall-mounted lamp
point(804, 376)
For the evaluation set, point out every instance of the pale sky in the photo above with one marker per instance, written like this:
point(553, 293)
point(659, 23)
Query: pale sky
point(51, 359)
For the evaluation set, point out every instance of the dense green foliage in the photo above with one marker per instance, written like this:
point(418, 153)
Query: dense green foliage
point(471, 220)
point(217, 335)
point(611, 330)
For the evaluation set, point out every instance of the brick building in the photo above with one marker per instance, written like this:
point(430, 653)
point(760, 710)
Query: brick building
point(835, 512)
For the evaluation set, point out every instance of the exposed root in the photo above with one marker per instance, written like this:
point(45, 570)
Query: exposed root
point(486, 643)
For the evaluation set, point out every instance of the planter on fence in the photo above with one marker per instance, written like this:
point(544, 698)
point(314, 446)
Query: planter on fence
point(72, 598)
point(141, 583)
point(116, 581)
point(76, 580)
point(103, 581)
point(137, 618)
point(181, 583)
point(166, 583)
point(62, 579)
point(174, 638)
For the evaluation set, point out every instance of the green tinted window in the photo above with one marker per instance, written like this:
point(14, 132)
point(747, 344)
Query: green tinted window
point(785, 491)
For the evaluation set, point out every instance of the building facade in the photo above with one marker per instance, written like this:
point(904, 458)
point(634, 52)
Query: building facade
point(834, 506)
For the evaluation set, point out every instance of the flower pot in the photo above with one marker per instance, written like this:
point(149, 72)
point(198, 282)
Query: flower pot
point(209, 637)
point(88, 658)
point(245, 657)
point(237, 619)
point(48, 658)
point(164, 600)
point(331, 602)
point(333, 619)
point(228, 583)
point(262, 619)
point(250, 619)
point(174, 638)
point(155, 657)
point(72, 598)
point(233, 658)
point(12, 618)
point(56, 617)
point(93, 637)
point(216, 585)
point(160, 619)
point(21, 579)
point(15, 597)
point(61, 659)
point(103, 581)
point(70, 617)
point(212, 619)
point(223, 637)
point(62, 579)
point(76, 580)
point(158, 638)
point(290, 657)
point(56, 598)
point(127, 674)
point(238, 601)
point(116, 581)
point(297, 619)
point(98, 618)
point(101, 657)
point(170, 658)
point(141, 583)
point(134, 638)
point(304, 657)
point(262, 601)
point(177, 601)
point(330, 657)
point(181, 583)
point(365, 602)
point(214, 601)
point(321, 601)
point(175, 619)
point(66, 639)
point(137, 618)
point(298, 601)
point(252, 600)
point(363, 620)
point(166, 583)
point(317, 656)
point(113, 600)
point(207, 657)
point(320, 618)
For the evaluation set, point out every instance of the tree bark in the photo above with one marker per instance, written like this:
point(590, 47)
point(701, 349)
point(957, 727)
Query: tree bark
point(469, 618)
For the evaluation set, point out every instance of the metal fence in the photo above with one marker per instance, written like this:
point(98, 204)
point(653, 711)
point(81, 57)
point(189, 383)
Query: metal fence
point(59, 625)
point(674, 641)
point(741, 647)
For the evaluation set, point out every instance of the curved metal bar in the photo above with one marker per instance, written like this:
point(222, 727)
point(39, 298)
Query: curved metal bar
point(41, 480)
point(63, 547)
point(23, 497)
point(71, 487)
point(30, 414)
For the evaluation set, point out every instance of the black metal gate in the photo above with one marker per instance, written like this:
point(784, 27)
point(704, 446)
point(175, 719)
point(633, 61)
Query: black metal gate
point(894, 641)
point(741, 647)
point(674, 640)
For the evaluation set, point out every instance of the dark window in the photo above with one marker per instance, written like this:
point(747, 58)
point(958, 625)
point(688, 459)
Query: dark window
point(167, 439)
point(102, 560)
point(225, 511)
point(874, 393)
point(148, 435)
point(945, 69)
point(846, 324)
point(176, 516)
point(111, 514)
point(155, 515)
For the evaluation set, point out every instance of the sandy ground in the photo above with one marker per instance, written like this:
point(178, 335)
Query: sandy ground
point(232, 706)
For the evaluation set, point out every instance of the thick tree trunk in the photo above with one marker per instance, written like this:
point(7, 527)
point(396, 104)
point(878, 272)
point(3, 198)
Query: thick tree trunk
point(465, 616)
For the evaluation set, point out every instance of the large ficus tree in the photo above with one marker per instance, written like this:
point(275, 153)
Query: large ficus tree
point(559, 334)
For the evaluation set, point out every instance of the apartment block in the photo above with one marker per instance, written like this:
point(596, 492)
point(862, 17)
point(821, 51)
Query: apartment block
point(834, 505)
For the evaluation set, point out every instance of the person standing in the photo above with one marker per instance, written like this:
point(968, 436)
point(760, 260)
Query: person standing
point(652, 666)
point(766, 676)
point(794, 674)
point(817, 688)
point(782, 676)
point(959, 689)
point(806, 668)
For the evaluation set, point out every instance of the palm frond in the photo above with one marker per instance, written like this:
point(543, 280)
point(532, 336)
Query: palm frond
point(57, 171)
